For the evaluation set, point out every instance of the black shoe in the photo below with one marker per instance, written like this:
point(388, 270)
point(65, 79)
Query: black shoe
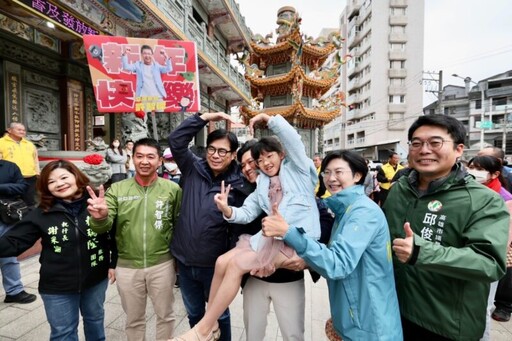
point(500, 315)
point(22, 298)
point(177, 283)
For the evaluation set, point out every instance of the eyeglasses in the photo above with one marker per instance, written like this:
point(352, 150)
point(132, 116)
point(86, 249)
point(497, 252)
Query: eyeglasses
point(220, 151)
point(337, 173)
point(249, 162)
point(433, 143)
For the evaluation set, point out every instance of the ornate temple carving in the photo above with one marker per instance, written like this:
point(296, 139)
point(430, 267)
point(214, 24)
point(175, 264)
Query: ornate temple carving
point(296, 77)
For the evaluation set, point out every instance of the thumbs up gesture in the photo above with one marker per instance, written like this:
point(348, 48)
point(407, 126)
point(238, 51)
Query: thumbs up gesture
point(274, 225)
point(403, 247)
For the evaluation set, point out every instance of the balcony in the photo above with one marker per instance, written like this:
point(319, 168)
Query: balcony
point(209, 50)
point(397, 90)
point(400, 20)
point(397, 73)
point(356, 68)
point(397, 107)
point(235, 11)
point(398, 3)
point(502, 108)
point(353, 7)
point(355, 40)
point(397, 55)
point(395, 37)
point(352, 114)
point(396, 125)
point(356, 98)
point(354, 84)
point(501, 91)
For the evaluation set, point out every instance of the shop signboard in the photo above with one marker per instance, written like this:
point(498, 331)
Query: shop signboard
point(143, 75)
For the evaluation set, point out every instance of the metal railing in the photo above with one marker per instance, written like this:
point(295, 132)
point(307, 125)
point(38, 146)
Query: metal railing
point(176, 12)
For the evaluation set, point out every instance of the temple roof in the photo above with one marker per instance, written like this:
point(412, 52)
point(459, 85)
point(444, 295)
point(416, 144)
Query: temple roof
point(279, 53)
point(296, 114)
point(282, 84)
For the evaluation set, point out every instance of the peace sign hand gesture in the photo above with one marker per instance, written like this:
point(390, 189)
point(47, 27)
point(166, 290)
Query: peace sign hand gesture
point(221, 199)
point(96, 204)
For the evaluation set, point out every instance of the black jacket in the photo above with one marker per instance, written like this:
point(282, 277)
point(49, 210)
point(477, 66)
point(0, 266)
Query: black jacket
point(12, 183)
point(73, 257)
point(201, 234)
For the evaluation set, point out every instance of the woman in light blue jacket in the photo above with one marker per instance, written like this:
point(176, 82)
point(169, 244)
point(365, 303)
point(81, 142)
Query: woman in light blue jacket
point(357, 260)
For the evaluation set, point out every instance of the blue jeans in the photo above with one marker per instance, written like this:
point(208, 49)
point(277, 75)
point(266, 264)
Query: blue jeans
point(62, 313)
point(195, 287)
point(10, 268)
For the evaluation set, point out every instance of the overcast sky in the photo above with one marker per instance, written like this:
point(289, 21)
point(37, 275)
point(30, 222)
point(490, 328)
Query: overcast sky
point(467, 37)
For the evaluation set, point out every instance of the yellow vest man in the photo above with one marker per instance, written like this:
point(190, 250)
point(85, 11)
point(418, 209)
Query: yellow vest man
point(16, 148)
point(385, 174)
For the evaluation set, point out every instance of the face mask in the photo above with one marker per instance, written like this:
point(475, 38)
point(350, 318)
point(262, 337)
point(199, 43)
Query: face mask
point(115, 144)
point(170, 166)
point(481, 176)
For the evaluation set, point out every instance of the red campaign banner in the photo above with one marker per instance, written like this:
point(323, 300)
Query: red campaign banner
point(135, 74)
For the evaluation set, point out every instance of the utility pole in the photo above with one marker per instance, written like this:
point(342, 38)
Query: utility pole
point(429, 79)
point(505, 123)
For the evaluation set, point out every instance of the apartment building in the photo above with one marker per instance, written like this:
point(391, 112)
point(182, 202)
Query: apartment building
point(382, 79)
point(488, 101)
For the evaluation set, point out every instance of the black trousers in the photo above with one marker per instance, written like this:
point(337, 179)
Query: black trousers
point(503, 297)
point(30, 194)
point(413, 332)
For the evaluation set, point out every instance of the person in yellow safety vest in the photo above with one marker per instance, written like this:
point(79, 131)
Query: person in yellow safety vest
point(320, 190)
point(385, 174)
point(16, 148)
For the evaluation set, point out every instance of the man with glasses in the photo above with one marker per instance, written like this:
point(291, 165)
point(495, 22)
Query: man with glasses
point(449, 236)
point(201, 234)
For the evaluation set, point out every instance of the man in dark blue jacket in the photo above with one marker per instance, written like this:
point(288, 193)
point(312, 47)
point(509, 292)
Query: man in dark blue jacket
point(201, 234)
point(12, 185)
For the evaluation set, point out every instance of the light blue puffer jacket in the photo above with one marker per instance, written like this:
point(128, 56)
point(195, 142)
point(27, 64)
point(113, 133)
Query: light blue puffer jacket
point(358, 267)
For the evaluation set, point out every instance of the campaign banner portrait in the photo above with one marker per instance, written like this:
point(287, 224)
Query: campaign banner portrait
point(136, 74)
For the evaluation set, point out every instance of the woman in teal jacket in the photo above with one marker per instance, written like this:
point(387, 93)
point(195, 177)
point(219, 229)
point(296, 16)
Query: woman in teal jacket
point(357, 260)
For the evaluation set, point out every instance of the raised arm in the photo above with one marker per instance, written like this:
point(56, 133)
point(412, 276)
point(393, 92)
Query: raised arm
point(181, 137)
point(127, 66)
point(292, 143)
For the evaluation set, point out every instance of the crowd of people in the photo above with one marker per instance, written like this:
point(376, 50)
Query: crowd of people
point(414, 251)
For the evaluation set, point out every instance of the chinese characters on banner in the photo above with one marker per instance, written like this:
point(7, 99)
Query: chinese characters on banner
point(134, 74)
point(59, 16)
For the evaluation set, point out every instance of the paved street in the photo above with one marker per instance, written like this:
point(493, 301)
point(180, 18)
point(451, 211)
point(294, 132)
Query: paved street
point(27, 322)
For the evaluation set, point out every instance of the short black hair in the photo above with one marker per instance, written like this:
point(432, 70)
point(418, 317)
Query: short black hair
point(356, 162)
point(146, 47)
point(391, 154)
point(246, 147)
point(149, 142)
point(266, 144)
point(454, 127)
point(223, 134)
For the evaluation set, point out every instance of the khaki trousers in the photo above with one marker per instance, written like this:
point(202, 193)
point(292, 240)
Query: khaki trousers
point(289, 304)
point(134, 286)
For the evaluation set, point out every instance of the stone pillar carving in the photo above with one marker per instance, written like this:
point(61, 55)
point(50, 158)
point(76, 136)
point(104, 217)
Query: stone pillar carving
point(13, 96)
point(133, 127)
point(75, 132)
